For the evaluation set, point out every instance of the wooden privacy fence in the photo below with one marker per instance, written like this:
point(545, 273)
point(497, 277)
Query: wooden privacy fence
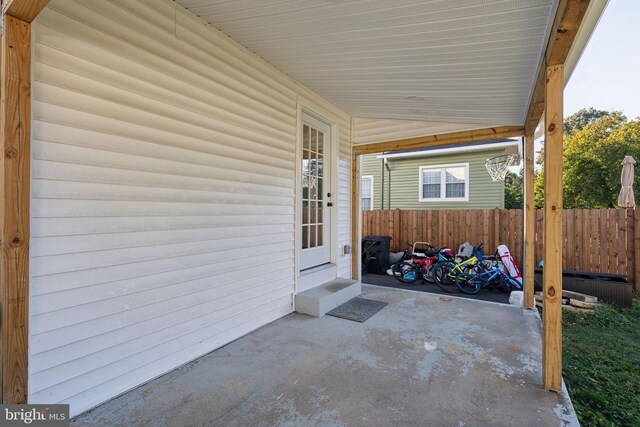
point(595, 240)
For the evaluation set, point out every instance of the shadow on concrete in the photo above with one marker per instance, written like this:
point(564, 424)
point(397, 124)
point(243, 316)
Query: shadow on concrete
point(391, 282)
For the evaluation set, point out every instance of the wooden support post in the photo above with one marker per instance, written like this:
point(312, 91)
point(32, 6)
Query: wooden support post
point(529, 222)
point(15, 164)
point(552, 296)
point(355, 217)
point(15, 124)
point(547, 96)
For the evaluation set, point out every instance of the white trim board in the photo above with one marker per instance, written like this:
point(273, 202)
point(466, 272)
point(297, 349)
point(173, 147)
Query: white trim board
point(443, 188)
point(371, 195)
point(453, 150)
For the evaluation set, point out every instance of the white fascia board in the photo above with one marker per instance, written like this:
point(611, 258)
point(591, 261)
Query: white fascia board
point(451, 150)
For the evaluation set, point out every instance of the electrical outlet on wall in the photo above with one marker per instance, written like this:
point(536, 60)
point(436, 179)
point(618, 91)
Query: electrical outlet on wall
point(346, 249)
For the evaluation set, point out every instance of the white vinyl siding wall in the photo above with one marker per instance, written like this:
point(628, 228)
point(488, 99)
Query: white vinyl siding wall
point(163, 178)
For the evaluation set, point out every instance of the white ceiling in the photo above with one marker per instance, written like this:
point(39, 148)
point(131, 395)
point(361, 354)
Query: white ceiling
point(454, 61)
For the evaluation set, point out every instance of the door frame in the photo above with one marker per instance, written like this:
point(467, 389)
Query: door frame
point(311, 108)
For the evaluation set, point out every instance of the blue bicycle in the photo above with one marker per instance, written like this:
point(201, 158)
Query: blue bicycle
point(483, 277)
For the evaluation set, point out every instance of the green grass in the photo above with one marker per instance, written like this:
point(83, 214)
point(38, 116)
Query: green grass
point(601, 365)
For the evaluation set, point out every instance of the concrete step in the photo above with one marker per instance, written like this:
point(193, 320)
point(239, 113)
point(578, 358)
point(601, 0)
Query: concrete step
point(316, 276)
point(317, 301)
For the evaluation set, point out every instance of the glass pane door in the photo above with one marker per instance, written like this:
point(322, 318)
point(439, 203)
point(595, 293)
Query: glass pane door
point(316, 201)
point(312, 187)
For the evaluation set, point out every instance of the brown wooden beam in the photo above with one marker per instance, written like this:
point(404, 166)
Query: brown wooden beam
point(15, 124)
point(442, 139)
point(536, 106)
point(529, 222)
point(565, 29)
point(553, 238)
point(569, 17)
point(24, 10)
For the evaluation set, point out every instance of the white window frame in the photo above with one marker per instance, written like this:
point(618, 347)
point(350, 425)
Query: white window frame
point(443, 182)
point(370, 177)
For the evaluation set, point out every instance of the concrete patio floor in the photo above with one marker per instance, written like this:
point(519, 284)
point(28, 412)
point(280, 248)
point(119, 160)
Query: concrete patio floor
point(420, 361)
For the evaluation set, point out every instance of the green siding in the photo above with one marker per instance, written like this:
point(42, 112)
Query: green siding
point(371, 167)
point(483, 192)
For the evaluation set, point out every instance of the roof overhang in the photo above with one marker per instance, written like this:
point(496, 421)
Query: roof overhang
point(447, 66)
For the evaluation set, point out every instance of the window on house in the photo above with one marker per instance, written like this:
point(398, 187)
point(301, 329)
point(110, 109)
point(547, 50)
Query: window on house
point(444, 183)
point(366, 192)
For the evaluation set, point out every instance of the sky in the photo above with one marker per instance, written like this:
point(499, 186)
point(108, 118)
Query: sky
point(607, 76)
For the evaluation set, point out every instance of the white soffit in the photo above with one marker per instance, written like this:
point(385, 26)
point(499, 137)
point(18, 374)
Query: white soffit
point(455, 61)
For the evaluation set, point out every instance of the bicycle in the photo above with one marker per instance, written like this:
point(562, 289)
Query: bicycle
point(409, 270)
point(471, 283)
point(421, 264)
point(447, 273)
point(444, 255)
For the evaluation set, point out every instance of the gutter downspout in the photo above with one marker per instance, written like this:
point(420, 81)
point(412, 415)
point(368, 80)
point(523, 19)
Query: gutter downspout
point(386, 164)
point(382, 185)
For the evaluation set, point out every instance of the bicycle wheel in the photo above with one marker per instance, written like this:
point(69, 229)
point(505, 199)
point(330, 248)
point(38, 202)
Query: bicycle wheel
point(504, 286)
point(406, 272)
point(442, 277)
point(468, 283)
point(429, 275)
point(508, 284)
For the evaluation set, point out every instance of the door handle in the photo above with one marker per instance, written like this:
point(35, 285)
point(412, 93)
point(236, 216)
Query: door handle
point(329, 204)
point(328, 194)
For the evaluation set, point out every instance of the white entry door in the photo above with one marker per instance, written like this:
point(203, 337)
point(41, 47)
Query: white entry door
point(315, 238)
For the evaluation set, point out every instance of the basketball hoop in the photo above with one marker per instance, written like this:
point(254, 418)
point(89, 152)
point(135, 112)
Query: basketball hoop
point(498, 166)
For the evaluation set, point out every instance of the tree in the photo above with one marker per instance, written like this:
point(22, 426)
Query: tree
point(593, 161)
point(513, 190)
point(577, 121)
point(594, 149)
point(538, 189)
point(581, 118)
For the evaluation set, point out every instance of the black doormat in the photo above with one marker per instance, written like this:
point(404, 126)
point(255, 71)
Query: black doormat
point(357, 309)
